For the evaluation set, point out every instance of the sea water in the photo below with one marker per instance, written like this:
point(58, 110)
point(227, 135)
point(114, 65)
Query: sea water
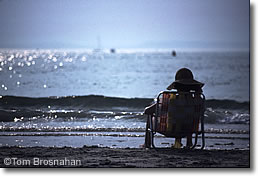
point(99, 97)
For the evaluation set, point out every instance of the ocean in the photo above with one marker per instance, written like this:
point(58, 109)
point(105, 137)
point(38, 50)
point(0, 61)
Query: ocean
point(87, 97)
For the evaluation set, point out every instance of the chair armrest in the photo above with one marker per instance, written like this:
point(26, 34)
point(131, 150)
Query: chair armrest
point(150, 109)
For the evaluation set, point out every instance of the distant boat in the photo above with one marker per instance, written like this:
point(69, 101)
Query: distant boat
point(173, 53)
point(98, 49)
point(112, 50)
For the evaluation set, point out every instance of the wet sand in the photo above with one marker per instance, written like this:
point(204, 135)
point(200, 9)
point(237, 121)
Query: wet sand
point(98, 157)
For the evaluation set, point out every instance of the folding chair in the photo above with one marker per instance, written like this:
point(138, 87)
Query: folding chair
point(178, 115)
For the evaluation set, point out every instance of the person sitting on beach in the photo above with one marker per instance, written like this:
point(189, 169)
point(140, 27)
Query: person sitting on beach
point(184, 82)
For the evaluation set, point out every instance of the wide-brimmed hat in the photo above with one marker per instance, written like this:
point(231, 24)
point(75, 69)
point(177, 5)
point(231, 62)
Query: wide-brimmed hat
point(184, 76)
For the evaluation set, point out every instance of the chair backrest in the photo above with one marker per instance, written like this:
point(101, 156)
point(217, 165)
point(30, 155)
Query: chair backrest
point(178, 113)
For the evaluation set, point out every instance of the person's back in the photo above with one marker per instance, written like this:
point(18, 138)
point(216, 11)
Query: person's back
point(184, 82)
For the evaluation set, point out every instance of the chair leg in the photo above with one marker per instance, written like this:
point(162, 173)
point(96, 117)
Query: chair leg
point(195, 141)
point(202, 129)
point(152, 140)
point(147, 133)
point(151, 132)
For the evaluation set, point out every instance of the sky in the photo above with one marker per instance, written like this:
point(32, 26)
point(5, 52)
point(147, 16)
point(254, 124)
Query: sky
point(124, 24)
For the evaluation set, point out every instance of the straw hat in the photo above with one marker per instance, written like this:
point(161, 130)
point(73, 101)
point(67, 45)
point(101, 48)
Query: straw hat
point(184, 76)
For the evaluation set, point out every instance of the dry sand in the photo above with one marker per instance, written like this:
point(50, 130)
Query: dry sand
point(121, 157)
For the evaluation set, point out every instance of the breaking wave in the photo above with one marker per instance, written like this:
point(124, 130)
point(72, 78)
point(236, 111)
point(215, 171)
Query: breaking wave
point(14, 108)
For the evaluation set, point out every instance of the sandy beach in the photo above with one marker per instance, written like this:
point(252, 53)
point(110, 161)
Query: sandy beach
point(77, 79)
point(98, 157)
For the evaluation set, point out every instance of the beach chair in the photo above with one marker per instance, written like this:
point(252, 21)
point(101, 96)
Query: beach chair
point(178, 115)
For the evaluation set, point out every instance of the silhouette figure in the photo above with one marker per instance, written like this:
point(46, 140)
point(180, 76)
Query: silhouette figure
point(184, 82)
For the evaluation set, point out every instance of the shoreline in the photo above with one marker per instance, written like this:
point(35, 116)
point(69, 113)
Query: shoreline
point(105, 157)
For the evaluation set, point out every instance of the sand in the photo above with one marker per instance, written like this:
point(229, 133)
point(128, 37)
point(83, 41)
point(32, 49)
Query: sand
point(98, 157)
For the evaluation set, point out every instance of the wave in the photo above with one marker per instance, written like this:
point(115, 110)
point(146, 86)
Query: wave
point(24, 115)
point(102, 102)
point(90, 101)
point(65, 115)
point(12, 131)
point(76, 108)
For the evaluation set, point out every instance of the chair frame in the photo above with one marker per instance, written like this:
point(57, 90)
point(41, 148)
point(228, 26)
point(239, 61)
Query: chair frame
point(152, 121)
